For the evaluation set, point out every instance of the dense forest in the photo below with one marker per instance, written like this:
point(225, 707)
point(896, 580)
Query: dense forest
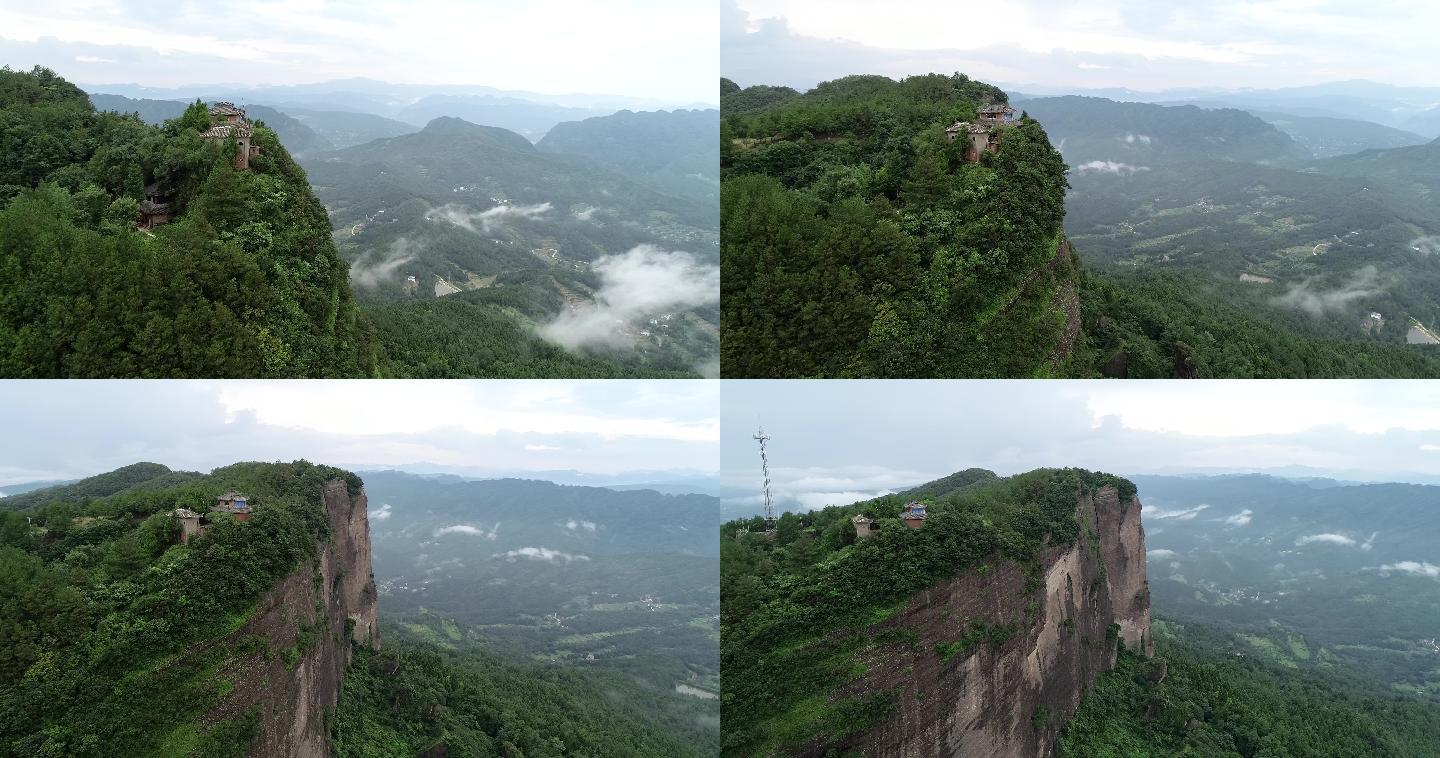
point(416, 697)
point(104, 614)
point(1204, 695)
point(245, 281)
point(857, 241)
point(795, 605)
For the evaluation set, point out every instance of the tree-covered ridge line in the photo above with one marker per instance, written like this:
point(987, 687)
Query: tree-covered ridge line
point(858, 241)
point(795, 605)
point(1205, 695)
point(106, 615)
point(244, 282)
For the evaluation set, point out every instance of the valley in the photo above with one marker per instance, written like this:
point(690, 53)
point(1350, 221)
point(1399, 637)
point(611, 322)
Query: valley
point(1315, 247)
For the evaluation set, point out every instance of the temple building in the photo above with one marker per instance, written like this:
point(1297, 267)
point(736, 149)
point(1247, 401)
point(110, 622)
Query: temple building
point(155, 209)
point(984, 133)
point(229, 121)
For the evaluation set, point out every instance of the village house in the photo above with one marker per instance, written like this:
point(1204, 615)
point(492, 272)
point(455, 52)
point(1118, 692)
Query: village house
point(863, 527)
point(190, 526)
point(229, 121)
point(233, 503)
point(913, 515)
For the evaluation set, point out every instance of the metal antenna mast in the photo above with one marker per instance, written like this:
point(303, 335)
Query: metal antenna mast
point(762, 437)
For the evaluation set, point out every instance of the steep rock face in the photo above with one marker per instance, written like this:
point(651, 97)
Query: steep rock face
point(302, 630)
point(1060, 626)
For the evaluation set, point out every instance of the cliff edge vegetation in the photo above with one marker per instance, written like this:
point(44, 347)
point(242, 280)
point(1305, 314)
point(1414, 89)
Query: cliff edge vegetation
point(859, 238)
point(805, 609)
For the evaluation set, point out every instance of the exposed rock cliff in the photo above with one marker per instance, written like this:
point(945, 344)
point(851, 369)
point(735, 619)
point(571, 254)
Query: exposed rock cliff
point(1048, 632)
point(299, 637)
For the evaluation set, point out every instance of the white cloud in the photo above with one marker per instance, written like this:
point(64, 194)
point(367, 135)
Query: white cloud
point(531, 447)
point(382, 514)
point(488, 408)
point(1109, 167)
point(1143, 139)
point(574, 525)
point(1240, 519)
point(1418, 568)
point(488, 220)
point(1161, 554)
point(542, 554)
point(1184, 514)
point(472, 531)
point(1328, 538)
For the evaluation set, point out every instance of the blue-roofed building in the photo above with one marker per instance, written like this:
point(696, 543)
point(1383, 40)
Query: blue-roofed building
point(234, 503)
point(913, 515)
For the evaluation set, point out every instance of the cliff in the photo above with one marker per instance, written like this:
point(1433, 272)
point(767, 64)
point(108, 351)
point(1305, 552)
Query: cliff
point(299, 638)
point(1010, 695)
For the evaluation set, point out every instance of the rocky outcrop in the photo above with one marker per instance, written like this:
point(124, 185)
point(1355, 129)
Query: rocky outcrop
point(298, 639)
point(1039, 636)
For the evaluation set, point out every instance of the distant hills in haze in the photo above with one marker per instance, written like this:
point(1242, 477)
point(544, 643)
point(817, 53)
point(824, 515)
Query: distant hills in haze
point(528, 113)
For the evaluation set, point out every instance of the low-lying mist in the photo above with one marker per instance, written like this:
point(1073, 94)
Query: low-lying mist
point(488, 220)
point(642, 281)
point(368, 273)
point(1310, 298)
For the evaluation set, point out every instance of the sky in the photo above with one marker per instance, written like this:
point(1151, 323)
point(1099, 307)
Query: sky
point(837, 442)
point(73, 429)
point(1143, 45)
point(661, 49)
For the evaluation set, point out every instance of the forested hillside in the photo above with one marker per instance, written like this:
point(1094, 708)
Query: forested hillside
point(244, 281)
point(417, 698)
point(1141, 136)
point(858, 241)
point(676, 152)
point(1208, 696)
